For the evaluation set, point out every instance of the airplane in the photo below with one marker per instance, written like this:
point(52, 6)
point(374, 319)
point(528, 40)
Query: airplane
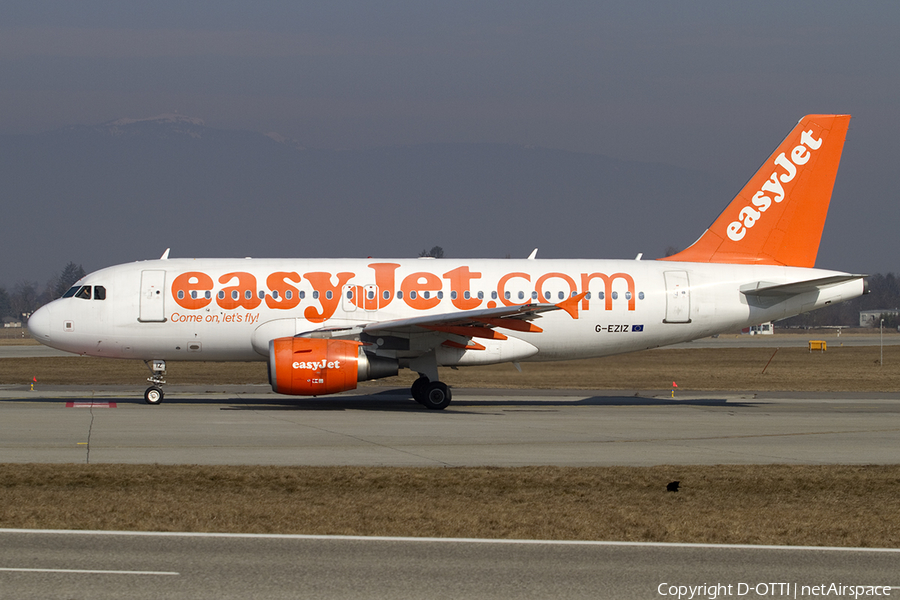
point(323, 325)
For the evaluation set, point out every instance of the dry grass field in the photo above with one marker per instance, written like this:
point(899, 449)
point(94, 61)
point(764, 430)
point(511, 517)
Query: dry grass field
point(794, 505)
point(791, 369)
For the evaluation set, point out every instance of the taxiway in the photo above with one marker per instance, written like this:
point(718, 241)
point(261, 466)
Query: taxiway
point(373, 426)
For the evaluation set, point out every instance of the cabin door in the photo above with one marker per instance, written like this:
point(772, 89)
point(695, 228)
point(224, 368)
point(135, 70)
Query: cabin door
point(153, 297)
point(678, 297)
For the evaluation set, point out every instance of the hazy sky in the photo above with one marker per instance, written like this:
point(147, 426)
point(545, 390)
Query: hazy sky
point(705, 85)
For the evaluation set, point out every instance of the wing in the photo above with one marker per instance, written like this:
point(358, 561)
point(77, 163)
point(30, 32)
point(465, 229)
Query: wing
point(455, 329)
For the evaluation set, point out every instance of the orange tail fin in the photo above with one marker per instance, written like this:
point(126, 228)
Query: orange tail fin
point(777, 219)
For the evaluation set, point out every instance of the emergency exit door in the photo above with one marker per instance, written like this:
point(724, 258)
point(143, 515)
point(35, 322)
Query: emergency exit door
point(678, 297)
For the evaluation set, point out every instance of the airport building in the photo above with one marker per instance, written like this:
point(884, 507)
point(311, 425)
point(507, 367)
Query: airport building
point(762, 329)
point(872, 318)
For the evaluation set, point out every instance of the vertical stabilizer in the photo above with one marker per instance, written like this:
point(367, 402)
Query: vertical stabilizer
point(777, 219)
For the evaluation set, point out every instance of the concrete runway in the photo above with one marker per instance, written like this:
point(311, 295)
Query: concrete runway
point(49, 565)
point(248, 425)
point(31, 351)
point(792, 340)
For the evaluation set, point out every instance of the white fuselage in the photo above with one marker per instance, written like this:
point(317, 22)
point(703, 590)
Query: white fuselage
point(229, 309)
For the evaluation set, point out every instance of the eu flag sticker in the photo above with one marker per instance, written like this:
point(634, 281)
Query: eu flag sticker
point(637, 328)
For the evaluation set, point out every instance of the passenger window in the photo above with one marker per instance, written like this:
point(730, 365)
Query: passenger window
point(349, 294)
point(521, 295)
point(84, 293)
point(640, 295)
point(371, 295)
point(481, 295)
point(386, 295)
point(180, 294)
point(615, 295)
point(328, 295)
point(506, 295)
point(315, 294)
point(494, 295)
point(99, 292)
point(440, 295)
point(288, 294)
point(399, 295)
point(534, 295)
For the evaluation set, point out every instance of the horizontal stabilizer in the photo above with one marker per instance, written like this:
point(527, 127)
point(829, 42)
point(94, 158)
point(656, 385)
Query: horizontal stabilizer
point(762, 289)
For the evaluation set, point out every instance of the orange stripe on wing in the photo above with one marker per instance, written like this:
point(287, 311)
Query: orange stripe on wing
point(469, 332)
point(469, 346)
point(514, 324)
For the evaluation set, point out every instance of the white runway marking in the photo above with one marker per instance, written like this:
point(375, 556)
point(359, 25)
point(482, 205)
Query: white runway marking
point(87, 571)
point(363, 538)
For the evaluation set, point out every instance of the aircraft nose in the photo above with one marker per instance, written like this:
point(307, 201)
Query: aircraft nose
point(39, 324)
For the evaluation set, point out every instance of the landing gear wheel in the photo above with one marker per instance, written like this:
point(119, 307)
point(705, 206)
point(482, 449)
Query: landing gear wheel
point(437, 396)
point(418, 389)
point(153, 395)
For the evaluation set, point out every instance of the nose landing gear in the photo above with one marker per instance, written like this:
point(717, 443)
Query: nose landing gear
point(154, 393)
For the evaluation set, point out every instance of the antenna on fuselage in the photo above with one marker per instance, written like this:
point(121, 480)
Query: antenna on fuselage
point(165, 255)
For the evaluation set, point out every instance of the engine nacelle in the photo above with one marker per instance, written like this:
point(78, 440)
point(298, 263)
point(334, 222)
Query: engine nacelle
point(314, 366)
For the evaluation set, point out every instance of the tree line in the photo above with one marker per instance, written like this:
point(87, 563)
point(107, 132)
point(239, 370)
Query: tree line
point(25, 297)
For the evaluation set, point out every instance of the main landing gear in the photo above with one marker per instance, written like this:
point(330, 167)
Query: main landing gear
point(431, 394)
point(154, 393)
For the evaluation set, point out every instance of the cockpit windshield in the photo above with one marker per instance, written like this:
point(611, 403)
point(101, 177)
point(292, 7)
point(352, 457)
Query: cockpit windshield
point(84, 292)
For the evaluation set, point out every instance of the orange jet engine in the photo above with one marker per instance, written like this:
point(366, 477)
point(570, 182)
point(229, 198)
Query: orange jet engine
point(301, 366)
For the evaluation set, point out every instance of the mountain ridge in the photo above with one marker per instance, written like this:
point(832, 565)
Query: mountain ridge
point(127, 189)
